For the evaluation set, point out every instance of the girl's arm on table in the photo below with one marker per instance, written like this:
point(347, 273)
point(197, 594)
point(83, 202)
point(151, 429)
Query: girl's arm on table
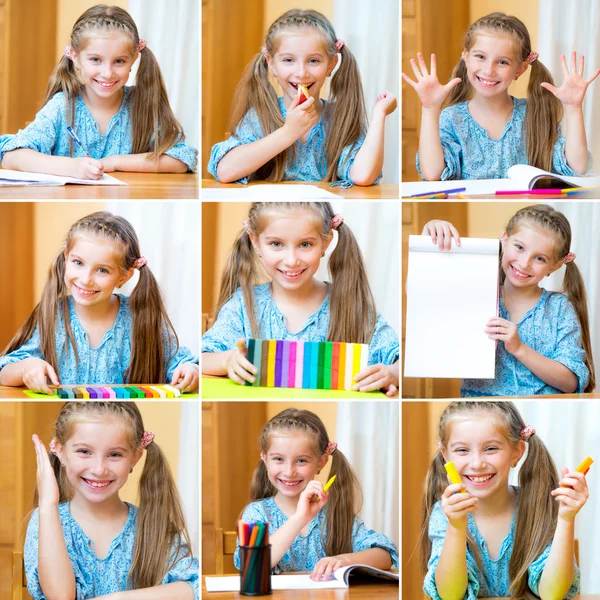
point(181, 590)
point(143, 163)
point(30, 372)
point(374, 557)
point(232, 363)
point(244, 160)
point(369, 159)
point(25, 159)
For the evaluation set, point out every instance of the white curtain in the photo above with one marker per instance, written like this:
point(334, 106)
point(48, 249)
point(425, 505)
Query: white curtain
point(368, 434)
point(583, 218)
point(188, 480)
point(172, 31)
point(565, 26)
point(376, 226)
point(570, 432)
point(169, 238)
point(371, 31)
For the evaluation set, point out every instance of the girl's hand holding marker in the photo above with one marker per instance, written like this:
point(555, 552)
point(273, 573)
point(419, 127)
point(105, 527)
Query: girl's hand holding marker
point(573, 492)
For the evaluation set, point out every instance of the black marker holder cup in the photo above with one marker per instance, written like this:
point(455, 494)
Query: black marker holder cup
point(255, 571)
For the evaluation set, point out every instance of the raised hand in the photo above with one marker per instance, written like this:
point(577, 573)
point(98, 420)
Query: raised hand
point(457, 504)
point(46, 480)
point(428, 87)
point(306, 509)
point(572, 494)
point(574, 86)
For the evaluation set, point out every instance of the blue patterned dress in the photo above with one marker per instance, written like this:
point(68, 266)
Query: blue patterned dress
point(306, 551)
point(48, 133)
point(98, 576)
point(494, 581)
point(233, 323)
point(105, 364)
point(550, 328)
point(469, 152)
point(309, 163)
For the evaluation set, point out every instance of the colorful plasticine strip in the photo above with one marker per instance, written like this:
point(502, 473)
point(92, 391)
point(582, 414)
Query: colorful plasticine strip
point(452, 473)
point(309, 365)
point(128, 392)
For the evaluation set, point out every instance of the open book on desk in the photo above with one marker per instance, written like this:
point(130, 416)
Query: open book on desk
point(520, 177)
point(24, 178)
point(301, 581)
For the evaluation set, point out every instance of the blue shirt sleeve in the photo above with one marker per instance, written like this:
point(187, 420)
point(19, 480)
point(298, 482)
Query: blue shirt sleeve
point(30, 349)
point(228, 327)
point(185, 569)
point(183, 355)
point(365, 539)
point(384, 348)
point(568, 350)
point(252, 512)
point(537, 568)
point(41, 134)
point(248, 131)
point(438, 524)
point(186, 154)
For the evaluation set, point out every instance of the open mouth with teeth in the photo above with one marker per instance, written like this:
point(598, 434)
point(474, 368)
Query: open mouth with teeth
point(479, 479)
point(84, 293)
point(291, 275)
point(487, 83)
point(106, 84)
point(519, 274)
point(290, 484)
point(96, 485)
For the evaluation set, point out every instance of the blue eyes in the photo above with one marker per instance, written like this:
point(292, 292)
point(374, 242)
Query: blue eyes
point(86, 452)
point(482, 57)
point(101, 270)
point(303, 245)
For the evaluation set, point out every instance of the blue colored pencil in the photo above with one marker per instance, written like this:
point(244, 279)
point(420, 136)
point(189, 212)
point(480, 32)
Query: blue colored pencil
point(77, 141)
point(454, 191)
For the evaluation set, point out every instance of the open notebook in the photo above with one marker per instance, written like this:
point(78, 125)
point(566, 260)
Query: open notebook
point(450, 296)
point(24, 178)
point(340, 580)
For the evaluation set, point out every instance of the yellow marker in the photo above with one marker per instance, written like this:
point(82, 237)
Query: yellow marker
point(584, 467)
point(453, 473)
point(325, 488)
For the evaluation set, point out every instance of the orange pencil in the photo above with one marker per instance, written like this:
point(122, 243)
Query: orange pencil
point(253, 536)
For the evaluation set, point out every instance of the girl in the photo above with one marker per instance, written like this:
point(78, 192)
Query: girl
point(288, 240)
point(319, 536)
point(483, 130)
point(80, 332)
point(546, 346)
point(482, 537)
point(82, 540)
point(120, 128)
point(279, 139)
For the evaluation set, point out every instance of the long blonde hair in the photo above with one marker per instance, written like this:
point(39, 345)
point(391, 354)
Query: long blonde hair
point(344, 117)
point(345, 497)
point(537, 512)
point(352, 322)
point(544, 110)
point(546, 218)
point(153, 338)
point(161, 536)
point(149, 102)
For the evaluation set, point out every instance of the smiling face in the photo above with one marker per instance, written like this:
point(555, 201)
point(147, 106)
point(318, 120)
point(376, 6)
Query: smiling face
point(528, 255)
point(97, 458)
point(292, 247)
point(301, 58)
point(92, 269)
point(493, 63)
point(482, 454)
point(104, 63)
point(291, 461)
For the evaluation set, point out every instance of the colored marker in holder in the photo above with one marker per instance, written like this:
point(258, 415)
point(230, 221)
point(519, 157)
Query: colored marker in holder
point(255, 558)
point(117, 392)
point(453, 473)
point(309, 365)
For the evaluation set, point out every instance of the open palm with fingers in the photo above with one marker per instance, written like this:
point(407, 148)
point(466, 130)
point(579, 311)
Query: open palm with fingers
point(431, 92)
point(574, 86)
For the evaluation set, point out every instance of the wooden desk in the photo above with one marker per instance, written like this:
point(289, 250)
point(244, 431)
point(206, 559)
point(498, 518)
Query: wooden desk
point(358, 590)
point(371, 192)
point(593, 194)
point(140, 186)
point(18, 393)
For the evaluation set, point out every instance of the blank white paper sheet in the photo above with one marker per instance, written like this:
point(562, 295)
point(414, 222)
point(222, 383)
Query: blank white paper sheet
point(450, 296)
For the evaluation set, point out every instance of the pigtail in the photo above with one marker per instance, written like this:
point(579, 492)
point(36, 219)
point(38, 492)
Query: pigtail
point(345, 116)
point(542, 118)
point(261, 487)
point(255, 92)
point(162, 538)
point(154, 126)
point(241, 271)
point(349, 321)
point(153, 338)
point(537, 514)
point(462, 91)
point(345, 502)
point(574, 288)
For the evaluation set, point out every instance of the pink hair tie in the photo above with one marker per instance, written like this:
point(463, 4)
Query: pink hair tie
point(246, 226)
point(138, 263)
point(141, 44)
point(438, 445)
point(569, 258)
point(527, 432)
point(533, 56)
point(52, 446)
point(264, 51)
point(147, 439)
point(331, 448)
point(339, 44)
point(336, 221)
point(68, 50)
